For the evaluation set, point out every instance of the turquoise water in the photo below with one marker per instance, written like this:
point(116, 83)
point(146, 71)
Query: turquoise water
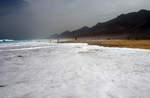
point(3, 41)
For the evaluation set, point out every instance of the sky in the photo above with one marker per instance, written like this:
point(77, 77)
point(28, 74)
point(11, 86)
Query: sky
point(41, 18)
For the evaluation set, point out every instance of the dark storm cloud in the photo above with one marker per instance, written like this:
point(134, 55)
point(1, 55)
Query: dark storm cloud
point(24, 18)
point(7, 6)
point(8, 3)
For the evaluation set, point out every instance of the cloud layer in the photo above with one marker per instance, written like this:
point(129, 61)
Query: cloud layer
point(7, 6)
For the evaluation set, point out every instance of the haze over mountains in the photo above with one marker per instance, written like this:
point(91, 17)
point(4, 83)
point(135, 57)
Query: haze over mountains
point(135, 25)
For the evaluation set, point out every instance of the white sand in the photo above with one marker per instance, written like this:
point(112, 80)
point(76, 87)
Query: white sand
point(45, 70)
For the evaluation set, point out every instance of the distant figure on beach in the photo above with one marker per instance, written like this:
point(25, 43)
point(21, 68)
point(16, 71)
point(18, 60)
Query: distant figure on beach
point(76, 38)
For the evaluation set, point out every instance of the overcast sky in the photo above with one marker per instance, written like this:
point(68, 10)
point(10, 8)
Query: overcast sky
point(45, 17)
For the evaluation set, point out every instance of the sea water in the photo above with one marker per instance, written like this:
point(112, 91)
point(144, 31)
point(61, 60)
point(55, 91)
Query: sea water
point(2, 41)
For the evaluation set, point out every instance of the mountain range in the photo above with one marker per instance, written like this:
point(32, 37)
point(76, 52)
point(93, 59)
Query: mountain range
point(135, 25)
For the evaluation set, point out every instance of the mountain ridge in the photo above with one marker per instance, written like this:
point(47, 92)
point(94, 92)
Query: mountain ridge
point(134, 25)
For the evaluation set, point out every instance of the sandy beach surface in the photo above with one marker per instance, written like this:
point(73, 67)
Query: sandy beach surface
point(73, 70)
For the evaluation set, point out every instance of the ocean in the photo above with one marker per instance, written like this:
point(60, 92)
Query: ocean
point(5, 41)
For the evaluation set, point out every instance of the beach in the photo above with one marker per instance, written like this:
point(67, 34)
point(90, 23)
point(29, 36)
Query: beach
point(73, 70)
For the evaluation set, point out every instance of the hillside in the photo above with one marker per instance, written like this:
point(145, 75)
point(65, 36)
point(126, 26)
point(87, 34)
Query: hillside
point(135, 25)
